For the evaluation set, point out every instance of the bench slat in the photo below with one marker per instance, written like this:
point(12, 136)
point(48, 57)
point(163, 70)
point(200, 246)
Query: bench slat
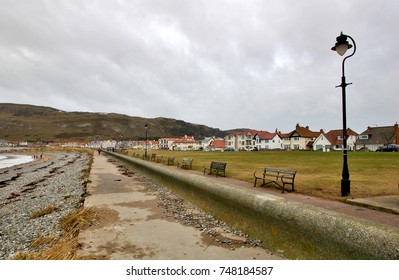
point(217, 168)
point(186, 163)
point(170, 160)
point(274, 175)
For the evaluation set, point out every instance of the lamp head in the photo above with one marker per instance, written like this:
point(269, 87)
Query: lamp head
point(342, 45)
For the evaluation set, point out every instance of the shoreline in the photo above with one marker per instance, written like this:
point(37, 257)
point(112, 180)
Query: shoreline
point(37, 155)
point(18, 159)
point(56, 181)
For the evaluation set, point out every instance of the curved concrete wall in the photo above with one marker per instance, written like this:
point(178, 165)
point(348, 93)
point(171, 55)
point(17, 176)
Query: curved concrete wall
point(296, 230)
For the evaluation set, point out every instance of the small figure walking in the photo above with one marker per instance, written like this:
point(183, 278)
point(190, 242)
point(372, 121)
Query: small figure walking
point(99, 151)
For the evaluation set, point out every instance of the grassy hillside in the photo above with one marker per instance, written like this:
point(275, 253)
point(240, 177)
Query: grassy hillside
point(35, 123)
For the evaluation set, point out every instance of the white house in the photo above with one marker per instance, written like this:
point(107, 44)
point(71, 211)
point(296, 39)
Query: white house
point(166, 143)
point(186, 143)
point(322, 143)
point(206, 142)
point(3, 143)
point(108, 144)
point(268, 141)
point(23, 144)
point(241, 140)
point(302, 138)
point(333, 140)
point(212, 143)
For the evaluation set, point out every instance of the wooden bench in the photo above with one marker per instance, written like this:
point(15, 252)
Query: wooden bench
point(186, 163)
point(280, 177)
point(146, 158)
point(170, 160)
point(158, 159)
point(153, 157)
point(216, 168)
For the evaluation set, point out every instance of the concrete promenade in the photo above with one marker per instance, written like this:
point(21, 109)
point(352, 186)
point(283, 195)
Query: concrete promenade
point(299, 226)
point(132, 225)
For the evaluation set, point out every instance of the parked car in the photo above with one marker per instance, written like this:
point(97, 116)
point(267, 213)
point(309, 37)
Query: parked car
point(388, 148)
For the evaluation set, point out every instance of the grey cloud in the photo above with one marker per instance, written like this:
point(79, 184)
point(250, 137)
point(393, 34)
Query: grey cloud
point(257, 64)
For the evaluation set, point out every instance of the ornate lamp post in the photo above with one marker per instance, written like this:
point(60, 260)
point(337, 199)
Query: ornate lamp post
point(145, 152)
point(341, 46)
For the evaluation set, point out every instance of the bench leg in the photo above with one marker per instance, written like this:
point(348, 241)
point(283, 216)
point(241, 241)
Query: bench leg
point(292, 186)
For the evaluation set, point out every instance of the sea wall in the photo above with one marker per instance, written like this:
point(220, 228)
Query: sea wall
point(296, 230)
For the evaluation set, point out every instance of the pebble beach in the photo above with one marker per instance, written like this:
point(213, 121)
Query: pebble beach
point(56, 182)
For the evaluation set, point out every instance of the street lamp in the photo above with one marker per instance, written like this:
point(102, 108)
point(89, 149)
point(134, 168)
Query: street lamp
point(341, 46)
point(145, 152)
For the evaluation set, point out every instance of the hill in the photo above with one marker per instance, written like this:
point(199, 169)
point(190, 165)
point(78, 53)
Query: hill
point(20, 122)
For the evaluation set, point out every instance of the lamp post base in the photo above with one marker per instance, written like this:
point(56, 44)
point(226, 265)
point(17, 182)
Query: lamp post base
point(345, 187)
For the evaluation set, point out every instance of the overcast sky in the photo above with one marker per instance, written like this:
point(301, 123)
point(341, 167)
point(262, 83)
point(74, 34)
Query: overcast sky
point(225, 64)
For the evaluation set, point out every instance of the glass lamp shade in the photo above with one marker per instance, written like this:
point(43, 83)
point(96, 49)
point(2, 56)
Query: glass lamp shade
point(342, 45)
point(341, 49)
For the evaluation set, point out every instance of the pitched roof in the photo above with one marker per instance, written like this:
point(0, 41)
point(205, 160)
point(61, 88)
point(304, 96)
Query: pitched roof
point(244, 132)
point(217, 144)
point(169, 139)
point(333, 136)
point(182, 140)
point(302, 132)
point(380, 135)
point(265, 135)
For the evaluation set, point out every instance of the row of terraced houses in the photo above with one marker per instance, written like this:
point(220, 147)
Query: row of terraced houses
point(301, 138)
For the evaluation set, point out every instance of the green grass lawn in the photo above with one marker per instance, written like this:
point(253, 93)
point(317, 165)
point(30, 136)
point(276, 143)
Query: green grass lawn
point(318, 174)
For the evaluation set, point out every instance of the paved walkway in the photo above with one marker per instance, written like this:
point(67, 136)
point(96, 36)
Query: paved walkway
point(131, 225)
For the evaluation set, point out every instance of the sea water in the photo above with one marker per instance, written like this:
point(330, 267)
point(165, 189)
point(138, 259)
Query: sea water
point(11, 160)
